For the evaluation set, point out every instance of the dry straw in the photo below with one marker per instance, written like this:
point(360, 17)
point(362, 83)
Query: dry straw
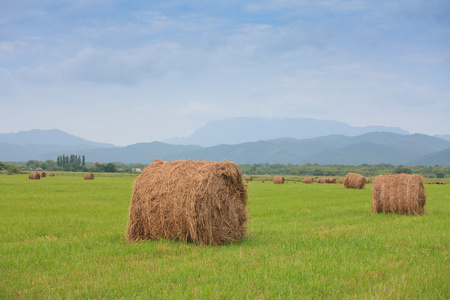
point(42, 174)
point(51, 174)
point(398, 193)
point(278, 179)
point(89, 176)
point(34, 175)
point(194, 201)
point(354, 181)
point(368, 180)
point(248, 178)
point(308, 180)
point(341, 180)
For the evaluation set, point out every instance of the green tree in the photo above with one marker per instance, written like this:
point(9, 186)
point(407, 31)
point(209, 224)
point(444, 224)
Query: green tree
point(109, 168)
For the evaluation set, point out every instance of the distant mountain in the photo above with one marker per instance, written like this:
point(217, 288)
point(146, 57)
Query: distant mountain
point(137, 153)
point(441, 158)
point(248, 129)
point(444, 136)
point(371, 148)
point(49, 138)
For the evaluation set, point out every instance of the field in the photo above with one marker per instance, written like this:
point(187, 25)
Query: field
point(64, 237)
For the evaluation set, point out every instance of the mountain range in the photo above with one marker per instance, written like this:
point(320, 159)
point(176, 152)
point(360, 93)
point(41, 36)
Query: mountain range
point(395, 147)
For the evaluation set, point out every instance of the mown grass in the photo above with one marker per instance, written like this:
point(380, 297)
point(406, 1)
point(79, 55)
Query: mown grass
point(64, 237)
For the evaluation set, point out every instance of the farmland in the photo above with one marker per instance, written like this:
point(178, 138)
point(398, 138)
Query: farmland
point(64, 237)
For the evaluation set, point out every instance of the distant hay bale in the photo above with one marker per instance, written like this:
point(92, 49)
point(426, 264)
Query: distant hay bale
point(321, 180)
point(308, 180)
point(330, 180)
point(368, 180)
point(34, 175)
point(399, 194)
point(268, 179)
point(42, 174)
point(193, 201)
point(51, 174)
point(89, 176)
point(248, 178)
point(278, 179)
point(259, 179)
point(354, 181)
point(341, 180)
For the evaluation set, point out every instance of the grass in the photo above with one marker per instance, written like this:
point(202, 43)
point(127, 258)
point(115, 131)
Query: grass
point(64, 237)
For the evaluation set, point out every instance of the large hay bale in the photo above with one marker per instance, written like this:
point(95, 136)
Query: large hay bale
point(42, 174)
point(398, 193)
point(354, 181)
point(278, 180)
point(194, 201)
point(248, 178)
point(34, 175)
point(89, 176)
point(308, 180)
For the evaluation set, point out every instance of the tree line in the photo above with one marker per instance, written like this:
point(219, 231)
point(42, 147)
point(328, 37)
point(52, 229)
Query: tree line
point(74, 163)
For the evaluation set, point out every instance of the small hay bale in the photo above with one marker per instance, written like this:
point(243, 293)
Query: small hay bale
point(51, 174)
point(321, 180)
point(330, 180)
point(89, 176)
point(42, 174)
point(248, 178)
point(308, 180)
point(341, 180)
point(268, 179)
point(278, 179)
point(354, 181)
point(34, 175)
point(193, 201)
point(399, 194)
point(368, 180)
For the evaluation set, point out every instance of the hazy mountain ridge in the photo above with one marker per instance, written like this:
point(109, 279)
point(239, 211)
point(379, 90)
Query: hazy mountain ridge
point(369, 148)
point(52, 137)
point(249, 129)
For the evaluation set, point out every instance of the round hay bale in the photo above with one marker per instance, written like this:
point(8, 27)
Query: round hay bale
point(89, 176)
point(278, 179)
point(248, 178)
point(268, 179)
point(42, 174)
point(193, 201)
point(34, 175)
point(341, 180)
point(308, 180)
point(51, 174)
point(368, 180)
point(321, 180)
point(330, 180)
point(399, 194)
point(354, 181)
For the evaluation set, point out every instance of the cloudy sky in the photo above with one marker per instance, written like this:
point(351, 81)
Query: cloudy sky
point(126, 71)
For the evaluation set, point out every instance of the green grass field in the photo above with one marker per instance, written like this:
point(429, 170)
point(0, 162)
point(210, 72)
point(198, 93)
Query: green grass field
point(64, 237)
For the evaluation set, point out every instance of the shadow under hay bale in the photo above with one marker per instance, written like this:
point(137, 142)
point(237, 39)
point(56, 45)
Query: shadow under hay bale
point(89, 176)
point(34, 175)
point(194, 201)
point(399, 194)
point(354, 181)
point(278, 180)
point(308, 180)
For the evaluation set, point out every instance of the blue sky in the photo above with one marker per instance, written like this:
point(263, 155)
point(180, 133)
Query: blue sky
point(124, 72)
